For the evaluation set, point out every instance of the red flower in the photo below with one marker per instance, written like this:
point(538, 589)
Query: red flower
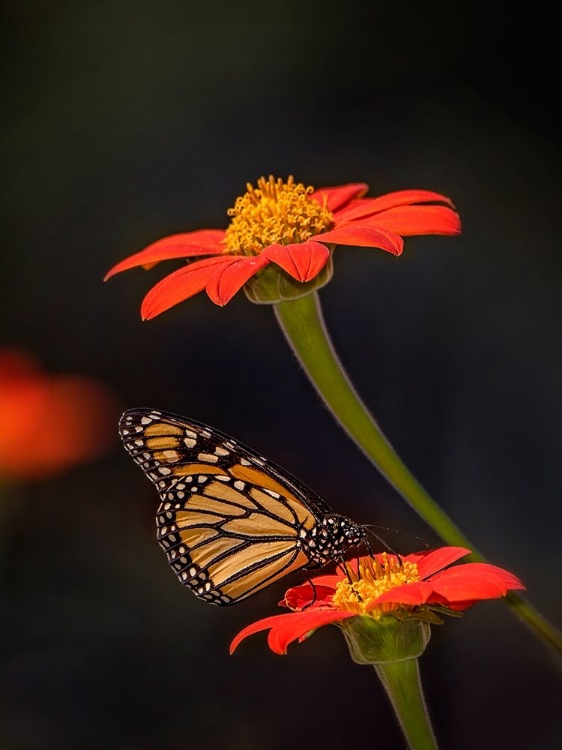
point(49, 423)
point(405, 587)
point(292, 226)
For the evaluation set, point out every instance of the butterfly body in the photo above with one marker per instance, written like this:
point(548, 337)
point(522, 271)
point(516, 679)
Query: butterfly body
point(230, 521)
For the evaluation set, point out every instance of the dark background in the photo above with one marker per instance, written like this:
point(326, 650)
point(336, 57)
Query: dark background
point(125, 122)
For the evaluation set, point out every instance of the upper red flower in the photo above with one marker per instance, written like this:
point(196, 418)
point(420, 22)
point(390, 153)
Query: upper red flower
point(49, 423)
point(407, 587)
point(292, 226)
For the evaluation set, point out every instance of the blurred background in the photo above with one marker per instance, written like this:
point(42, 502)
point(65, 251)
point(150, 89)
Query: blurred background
point(125, 122)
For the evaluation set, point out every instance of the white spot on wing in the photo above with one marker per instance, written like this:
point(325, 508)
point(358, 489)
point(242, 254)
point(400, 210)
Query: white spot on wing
point(208, 458)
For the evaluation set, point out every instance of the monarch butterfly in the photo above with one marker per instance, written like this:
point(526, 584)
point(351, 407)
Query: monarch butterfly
point(230, 521)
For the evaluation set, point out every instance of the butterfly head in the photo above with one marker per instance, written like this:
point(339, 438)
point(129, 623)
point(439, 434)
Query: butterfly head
point(352, 533)
point(332, 537)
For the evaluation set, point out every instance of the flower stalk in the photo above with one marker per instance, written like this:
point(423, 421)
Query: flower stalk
point(302, 323)
point(392, 648)
point(401, 680)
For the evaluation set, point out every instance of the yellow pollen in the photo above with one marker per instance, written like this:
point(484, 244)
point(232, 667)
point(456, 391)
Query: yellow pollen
point(274, 212)
point(375, 576)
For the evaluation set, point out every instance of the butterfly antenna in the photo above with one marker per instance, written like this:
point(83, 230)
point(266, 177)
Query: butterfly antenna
point(393, 531)
point(386, 547)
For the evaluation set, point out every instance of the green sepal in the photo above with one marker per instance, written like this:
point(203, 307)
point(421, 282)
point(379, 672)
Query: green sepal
point(372, 641)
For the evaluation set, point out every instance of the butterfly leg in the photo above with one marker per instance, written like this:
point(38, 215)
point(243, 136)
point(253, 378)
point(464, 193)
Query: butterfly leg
point(311, 582)
point(356, 547)
point(342, 565)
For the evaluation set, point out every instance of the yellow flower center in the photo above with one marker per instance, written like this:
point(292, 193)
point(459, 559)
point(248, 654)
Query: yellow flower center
point(374, 577)
point(274, 212)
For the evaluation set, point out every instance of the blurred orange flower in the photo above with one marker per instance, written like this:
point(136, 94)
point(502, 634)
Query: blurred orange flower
point(293, 227)
point(49, 423)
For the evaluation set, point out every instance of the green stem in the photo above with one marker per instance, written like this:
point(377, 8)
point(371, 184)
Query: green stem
point(401, 680)
point(302, 323)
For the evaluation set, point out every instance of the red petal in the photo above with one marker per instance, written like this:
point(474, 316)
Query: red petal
point(255, 627)
point(225, 282)
point(434, 560)
point(299, 597)
point(285, 629)
point(412, 594)
point(180, 285)
point(186, 245)
point(482, 569)
point(338, 197)
point(330, 580)
point(282, 634)
point(411, 220)
point(369, 206)
point(460, 591)
point(363, 236)
point(474, 581)
point(301, 261)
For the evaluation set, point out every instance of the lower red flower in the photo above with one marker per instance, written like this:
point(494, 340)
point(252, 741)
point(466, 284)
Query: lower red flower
point(384, 585)
point(49, 423)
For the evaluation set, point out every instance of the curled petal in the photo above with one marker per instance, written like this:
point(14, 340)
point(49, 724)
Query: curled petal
point(180, 285)
point(330, 580)
point(228, 279)
point(301, 261)
point(338, 197)
point(186, 245)
point(284, 629)
point(411, 220)
point(435, 560)
point(365, 207)
point(299, 597)
point(364, 236)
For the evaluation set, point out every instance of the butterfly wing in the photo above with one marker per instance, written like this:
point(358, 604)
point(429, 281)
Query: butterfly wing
point(229, 519)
